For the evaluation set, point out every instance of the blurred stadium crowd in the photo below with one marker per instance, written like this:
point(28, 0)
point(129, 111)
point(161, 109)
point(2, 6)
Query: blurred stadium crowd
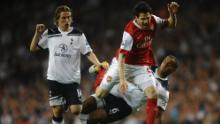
point(195, 87)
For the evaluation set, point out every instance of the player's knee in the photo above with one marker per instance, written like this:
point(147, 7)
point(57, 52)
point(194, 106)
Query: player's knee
point(151, 92)
point(89, 105)
point(57, 111)
point(101, 93)
point(75, 109)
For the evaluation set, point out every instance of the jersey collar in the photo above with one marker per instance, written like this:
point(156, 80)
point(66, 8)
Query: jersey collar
point(157, 76)
point(65, 32)
point(136, 24)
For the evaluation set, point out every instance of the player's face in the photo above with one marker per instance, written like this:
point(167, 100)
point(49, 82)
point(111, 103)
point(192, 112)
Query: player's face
point(143, 19)
point(65, 20)
point(168, 66)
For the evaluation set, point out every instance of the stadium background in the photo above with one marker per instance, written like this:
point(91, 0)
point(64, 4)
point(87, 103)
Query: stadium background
point(195, 87)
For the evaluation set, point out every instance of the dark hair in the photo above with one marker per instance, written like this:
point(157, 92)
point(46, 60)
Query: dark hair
point(59, 9)
point(141, 7)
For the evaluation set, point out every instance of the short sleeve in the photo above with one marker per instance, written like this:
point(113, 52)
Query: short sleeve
point(43, 43)
point(127, 42)
point(84, 45)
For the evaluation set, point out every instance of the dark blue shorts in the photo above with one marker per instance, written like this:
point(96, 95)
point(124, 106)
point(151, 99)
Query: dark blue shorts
point(60, 94)
point(116, 108)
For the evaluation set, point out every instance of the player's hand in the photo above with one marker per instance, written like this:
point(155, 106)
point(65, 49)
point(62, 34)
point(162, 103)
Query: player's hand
point(104, 64)
point(123, 86)
point(173, 7)
point(94, 69)
point(40, 28)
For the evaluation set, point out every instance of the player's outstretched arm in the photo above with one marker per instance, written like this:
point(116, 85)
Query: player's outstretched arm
point(172, 8)
point(92, 58)
point(36, 38)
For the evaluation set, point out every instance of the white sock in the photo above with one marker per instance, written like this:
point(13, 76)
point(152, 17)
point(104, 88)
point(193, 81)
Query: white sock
point(84, 118)
point(54, 122)
point(77, 120)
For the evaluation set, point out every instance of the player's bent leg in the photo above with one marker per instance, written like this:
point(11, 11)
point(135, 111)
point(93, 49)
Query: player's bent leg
point(151, 106)
point(89, 105)
point(148, 84)
point(75, 109)
point(109, 80)
point(92, 103)
point(57, 111)
point(106, 85)
point(151, 92)
point(57, 114)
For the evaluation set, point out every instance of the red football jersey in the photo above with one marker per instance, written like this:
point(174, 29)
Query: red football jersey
point(137, 42)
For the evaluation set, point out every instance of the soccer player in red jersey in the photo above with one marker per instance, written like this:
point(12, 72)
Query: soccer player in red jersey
point(135, 56)
point(116, 106)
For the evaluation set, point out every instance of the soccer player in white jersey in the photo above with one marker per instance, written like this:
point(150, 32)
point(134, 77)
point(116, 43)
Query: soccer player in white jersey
point(116, 106)
point(65, 44)
point(135, 56)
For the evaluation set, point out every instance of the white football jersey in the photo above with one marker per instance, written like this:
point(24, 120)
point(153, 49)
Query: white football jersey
point(65, 49)
point(163, 92)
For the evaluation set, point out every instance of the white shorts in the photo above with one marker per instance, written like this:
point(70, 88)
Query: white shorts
point(142, 76)
point(131, 96)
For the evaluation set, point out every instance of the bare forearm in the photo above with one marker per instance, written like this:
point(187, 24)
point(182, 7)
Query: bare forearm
point(173, 9)
point(172, 20)
point(92, 58)
point(121, 67)
point(123, 83)
point(34, 42)
point(36, 38)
